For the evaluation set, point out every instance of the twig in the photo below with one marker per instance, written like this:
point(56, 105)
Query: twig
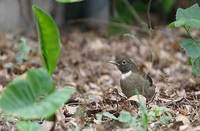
point(150, 29)
point(104, 22)
point(134, 37)
point(99, 21)
point(134, 13)
point(148, 15)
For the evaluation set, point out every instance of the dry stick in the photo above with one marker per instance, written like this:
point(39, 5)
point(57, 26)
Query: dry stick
point(134, 37)
point(150, 37)
point(148, 14)
point(150, 27)
point(138, 19)
point(99, 21)
point(117, 24)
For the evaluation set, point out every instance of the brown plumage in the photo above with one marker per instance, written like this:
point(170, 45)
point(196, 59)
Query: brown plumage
point(133, 80)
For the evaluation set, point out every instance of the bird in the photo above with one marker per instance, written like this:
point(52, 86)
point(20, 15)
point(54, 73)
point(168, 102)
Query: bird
point(133, 81)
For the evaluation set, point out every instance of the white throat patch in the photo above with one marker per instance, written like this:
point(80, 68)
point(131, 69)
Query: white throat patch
point(125, 75)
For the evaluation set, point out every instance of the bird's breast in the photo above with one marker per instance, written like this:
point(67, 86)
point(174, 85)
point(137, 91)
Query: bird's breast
point(126, 75)
point(132, 82)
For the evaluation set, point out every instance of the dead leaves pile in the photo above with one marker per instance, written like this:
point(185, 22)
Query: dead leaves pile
point(83, 64)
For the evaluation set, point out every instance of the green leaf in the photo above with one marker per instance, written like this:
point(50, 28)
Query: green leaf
point(193, 23)
point(109, 115)
point(99, 117)
point(190, 13)
point(23, 50)
point(68, 1)
point(187, 17)
point(29, 126)
point(159, 110)
point(125, 117)
point(33, 95)
point(165, 119)
point(49, 38)
point(190, 18)
point(196, 67)
point(192, 47)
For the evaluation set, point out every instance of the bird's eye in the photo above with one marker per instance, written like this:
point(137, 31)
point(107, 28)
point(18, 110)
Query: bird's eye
point(124, 62)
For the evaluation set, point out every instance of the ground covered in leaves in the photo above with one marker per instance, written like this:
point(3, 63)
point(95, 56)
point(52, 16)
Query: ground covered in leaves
point(83, 65)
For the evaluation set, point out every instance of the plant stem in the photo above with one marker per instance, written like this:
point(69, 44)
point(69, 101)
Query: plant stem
point(148, 14)
point(134, 13)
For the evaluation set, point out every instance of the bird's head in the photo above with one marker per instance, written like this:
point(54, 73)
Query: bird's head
point(124, 64)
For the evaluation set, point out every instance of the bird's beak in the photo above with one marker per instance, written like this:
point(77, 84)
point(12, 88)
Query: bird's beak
point(113, 62)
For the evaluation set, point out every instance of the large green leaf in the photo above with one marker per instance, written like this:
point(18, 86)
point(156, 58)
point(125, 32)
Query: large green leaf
point(196, 67)
point(29, 126)
point(33, 95)
point(190, 13)
point(192, 47)
point(189, 17)
point(49, 38)
point(68, 1)
point(184, 22)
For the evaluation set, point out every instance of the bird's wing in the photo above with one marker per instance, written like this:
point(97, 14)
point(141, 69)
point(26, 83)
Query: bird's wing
point(150, 92)
point(147, 77)
point(134, 83)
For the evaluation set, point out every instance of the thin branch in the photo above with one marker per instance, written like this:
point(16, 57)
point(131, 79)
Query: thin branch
point(150, 30)
point(134, 13)
point(104, 22)
point(148, 14)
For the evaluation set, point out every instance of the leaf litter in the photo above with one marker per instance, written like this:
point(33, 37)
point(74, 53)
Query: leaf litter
point(83, 64)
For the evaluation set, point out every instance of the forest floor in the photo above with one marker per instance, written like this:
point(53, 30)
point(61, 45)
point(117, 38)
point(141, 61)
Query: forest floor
point(83, 65)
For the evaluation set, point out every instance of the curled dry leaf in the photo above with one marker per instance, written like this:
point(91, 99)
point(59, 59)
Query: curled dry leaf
point(183, 118)
point(138, 99)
